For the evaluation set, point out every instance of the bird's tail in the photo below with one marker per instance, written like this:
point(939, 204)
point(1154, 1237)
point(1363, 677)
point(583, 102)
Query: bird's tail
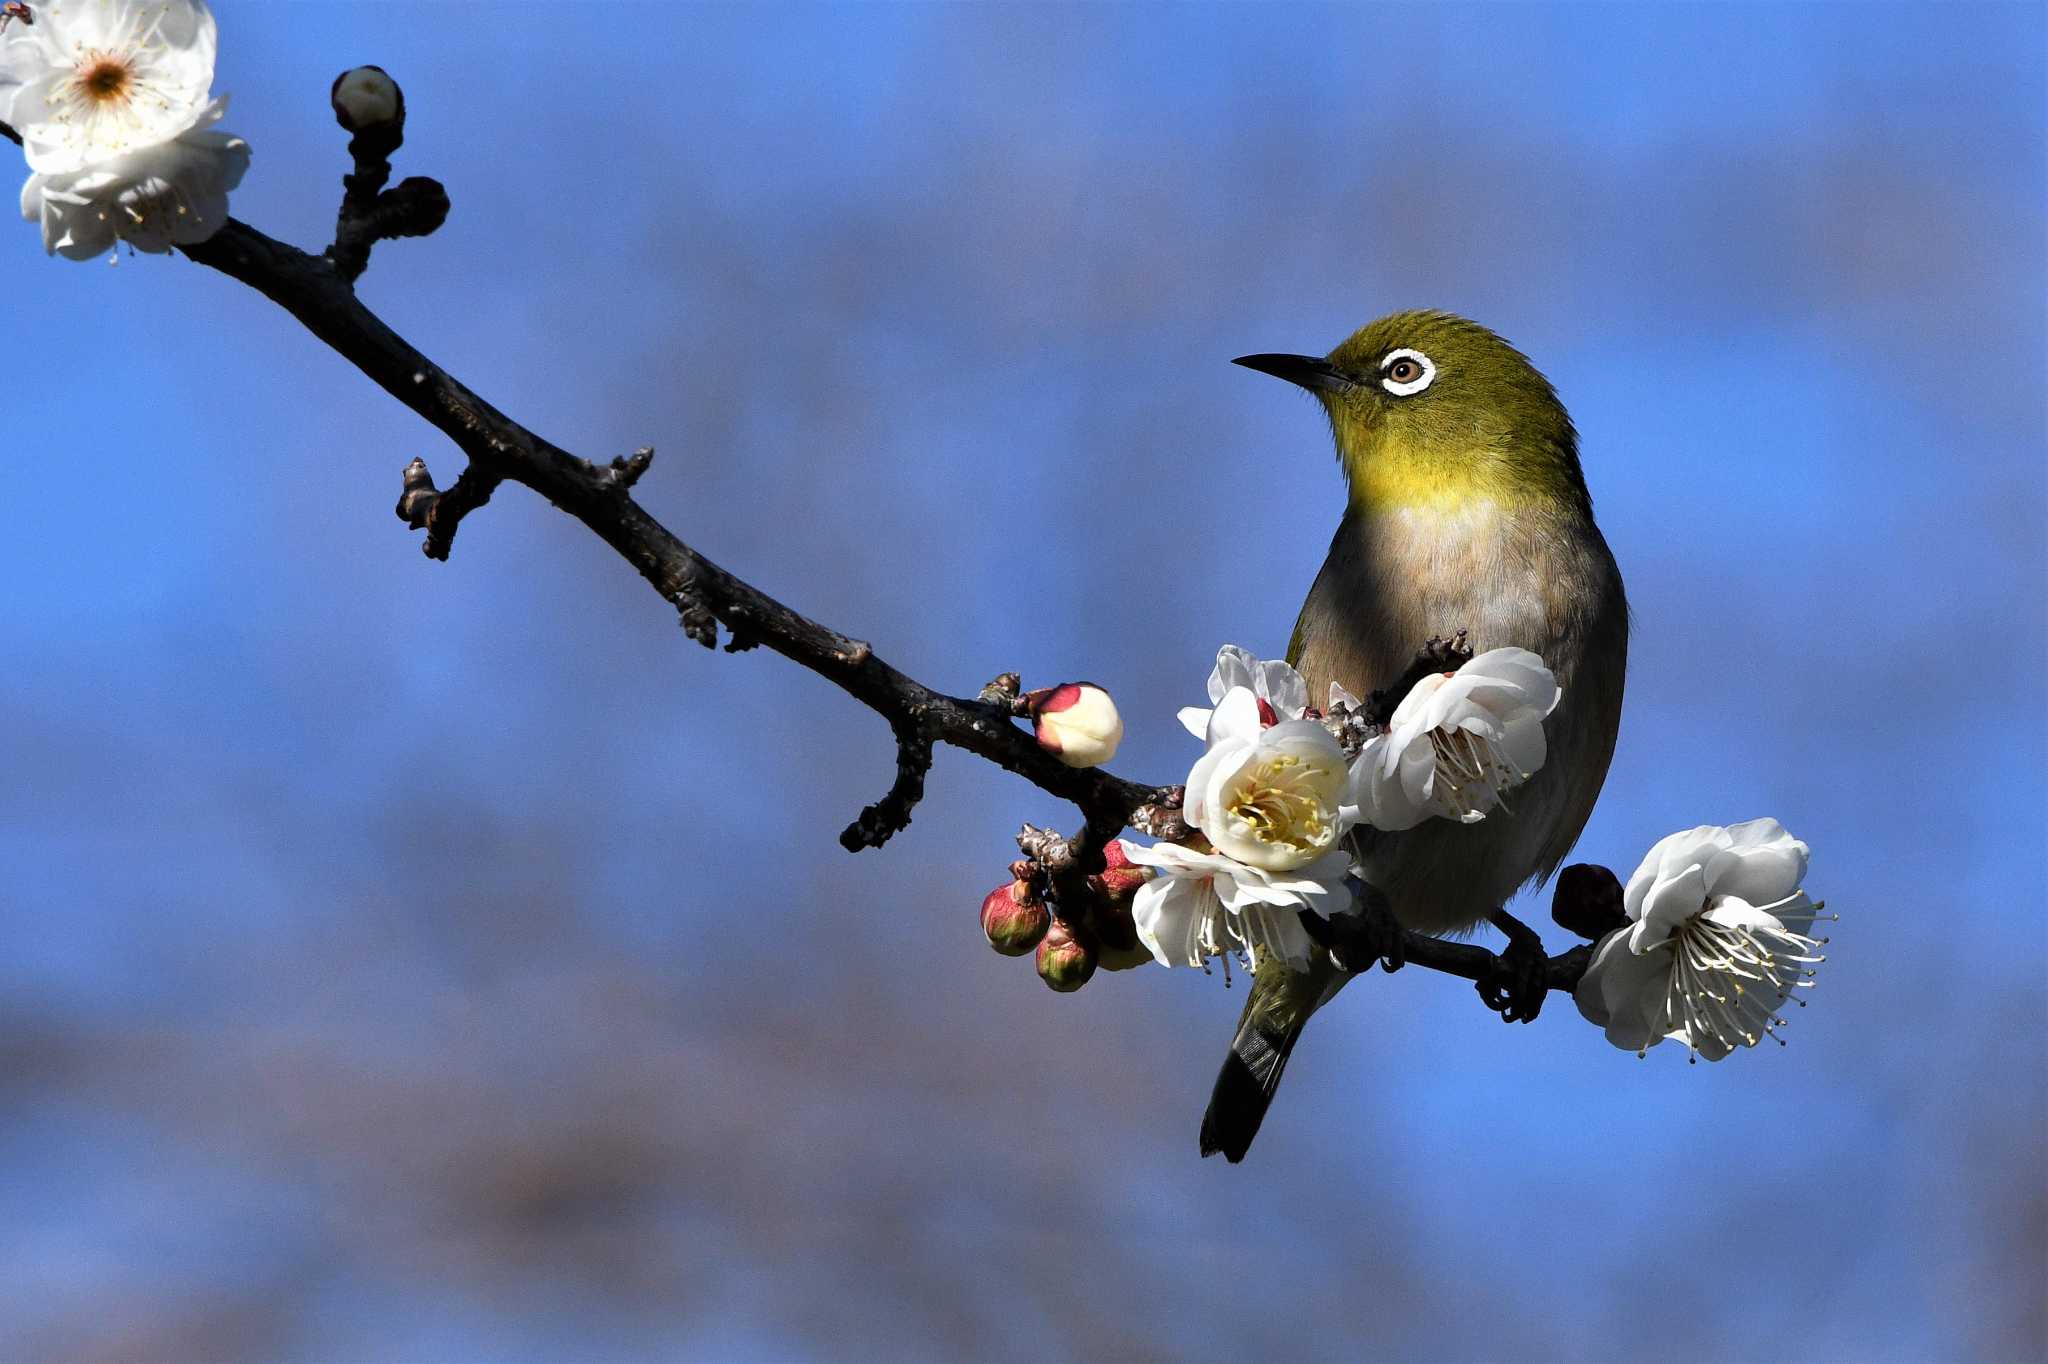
point(1245, 1085)
point(1281, 1001)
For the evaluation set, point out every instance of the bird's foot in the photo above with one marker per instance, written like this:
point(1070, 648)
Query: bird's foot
point(1368, 933)
point(1516, 987)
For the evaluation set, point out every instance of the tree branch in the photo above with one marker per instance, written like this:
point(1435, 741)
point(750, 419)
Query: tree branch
point(319, 292)
point(313, 290)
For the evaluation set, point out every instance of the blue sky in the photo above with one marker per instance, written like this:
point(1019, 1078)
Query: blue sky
point(415, 960)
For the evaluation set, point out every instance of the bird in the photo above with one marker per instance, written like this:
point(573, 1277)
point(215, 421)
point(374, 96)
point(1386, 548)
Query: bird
point(1467, 510)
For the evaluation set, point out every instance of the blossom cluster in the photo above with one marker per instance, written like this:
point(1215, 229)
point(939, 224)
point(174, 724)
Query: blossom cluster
point(113, 102)
point(1274, 794)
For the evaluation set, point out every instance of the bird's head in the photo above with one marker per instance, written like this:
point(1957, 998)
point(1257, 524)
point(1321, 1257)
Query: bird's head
point(1429, 409)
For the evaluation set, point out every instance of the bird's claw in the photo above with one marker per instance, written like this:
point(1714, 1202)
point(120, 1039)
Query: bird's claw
point(1516, 987)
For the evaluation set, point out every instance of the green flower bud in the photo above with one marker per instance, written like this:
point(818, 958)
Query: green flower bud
point(1065, 959)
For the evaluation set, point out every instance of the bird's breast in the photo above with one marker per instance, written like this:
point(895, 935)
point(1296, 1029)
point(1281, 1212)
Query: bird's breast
point(1399, 575)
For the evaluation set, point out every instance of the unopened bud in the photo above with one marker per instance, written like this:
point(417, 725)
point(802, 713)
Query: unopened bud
point(1077, 723)
point(1588, 901)
point(1120, 950)
point(1014, 918)
point(1126, 958)
point(1065, 961)
point(1120, 877)
point(364, 98)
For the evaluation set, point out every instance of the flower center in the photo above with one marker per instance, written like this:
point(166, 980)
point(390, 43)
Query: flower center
point(104, 79)
point(1278, 802)
point(1471, 774)
point(115, 97)
point(1727, 982)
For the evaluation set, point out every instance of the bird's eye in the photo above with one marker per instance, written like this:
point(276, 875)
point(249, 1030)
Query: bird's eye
point(1406, 371)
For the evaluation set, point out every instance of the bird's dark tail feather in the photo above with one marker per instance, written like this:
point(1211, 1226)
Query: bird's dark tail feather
point(1244, 1089)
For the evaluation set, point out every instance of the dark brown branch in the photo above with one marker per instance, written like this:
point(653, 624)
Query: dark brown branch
point(312, 290)
point(423, 507)
point(891, 814)
point(1438, 655)
point(1477, 963)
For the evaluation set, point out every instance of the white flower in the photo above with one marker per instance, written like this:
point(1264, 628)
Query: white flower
point(1077, 722)
point(1270, 796)
point(172, 193)
point(91, 80)
point(1206, 905)
point(1457, 742)
point(1718, 942)
point(1281, 688)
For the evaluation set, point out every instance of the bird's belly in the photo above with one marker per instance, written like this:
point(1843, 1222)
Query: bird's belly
point(1411, 574)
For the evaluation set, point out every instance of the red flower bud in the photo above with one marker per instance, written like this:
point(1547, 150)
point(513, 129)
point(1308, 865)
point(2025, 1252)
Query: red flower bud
point(1013, 918)
point(1121, 877)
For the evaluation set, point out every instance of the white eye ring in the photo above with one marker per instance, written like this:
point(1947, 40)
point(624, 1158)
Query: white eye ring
point(1413, 385)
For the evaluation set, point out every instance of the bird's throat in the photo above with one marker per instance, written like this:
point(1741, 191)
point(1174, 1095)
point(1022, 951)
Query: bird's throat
point(1394, 478)
point(1445, 473)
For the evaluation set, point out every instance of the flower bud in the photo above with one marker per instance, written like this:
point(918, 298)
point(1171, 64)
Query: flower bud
point(1120, 877)
point(1065, 960)
point(1118, 933)
point(364, 98)
point(1014, 919)
point(1126, 958)
point(1077, 723)
point(1588, 901)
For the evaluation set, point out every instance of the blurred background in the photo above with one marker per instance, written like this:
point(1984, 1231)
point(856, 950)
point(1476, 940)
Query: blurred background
point(406, 960)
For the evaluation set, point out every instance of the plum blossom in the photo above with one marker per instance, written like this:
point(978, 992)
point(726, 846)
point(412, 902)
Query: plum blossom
point(112, 99)
point(1277, 685)
point(96, 79)
point(1718, 940)
point(1457, 743)
point(1268, 795)
point(1204, 904)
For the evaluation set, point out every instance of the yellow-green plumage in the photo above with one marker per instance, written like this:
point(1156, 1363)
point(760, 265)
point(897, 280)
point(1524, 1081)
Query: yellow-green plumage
point(1467, 511)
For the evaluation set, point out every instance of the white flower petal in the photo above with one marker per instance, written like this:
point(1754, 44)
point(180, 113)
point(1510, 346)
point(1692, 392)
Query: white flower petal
point(1669, 904)
point(1234, 668)
point(1169, 914)
point(1522, 670)
point(1668, 856)
point(1236, 717)
point(1615, 988)
point(171, 194)
point(1283, 687)
point(1762, 863)
point(1522, 743)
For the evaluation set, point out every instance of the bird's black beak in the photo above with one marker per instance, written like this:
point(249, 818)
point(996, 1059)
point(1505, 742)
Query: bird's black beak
point(1312, 372)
